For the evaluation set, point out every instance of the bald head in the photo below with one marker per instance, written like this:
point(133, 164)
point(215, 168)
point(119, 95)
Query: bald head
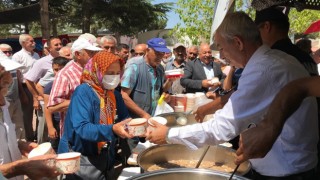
point(66, 52)
point(140, 49)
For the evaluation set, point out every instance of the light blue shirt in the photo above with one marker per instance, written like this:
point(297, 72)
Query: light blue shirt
point(39, 69)
point(129, 79)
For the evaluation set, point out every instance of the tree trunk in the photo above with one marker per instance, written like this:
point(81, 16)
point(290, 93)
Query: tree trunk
point(86, 16)
point(54, 27)
point(117, 36)
point(26, 28)
point(44, 15)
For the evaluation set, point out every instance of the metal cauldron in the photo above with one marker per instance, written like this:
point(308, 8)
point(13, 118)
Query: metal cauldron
point(164, 153)
point(186, 174)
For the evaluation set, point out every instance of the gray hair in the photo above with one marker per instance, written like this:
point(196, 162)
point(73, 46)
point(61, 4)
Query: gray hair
point(239, 24)
point(108, 38)
point(5, 46)
point(194, 47)
point(23, 38)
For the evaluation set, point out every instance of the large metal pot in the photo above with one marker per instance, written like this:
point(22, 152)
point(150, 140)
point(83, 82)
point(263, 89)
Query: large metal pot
point(164, 153)
point(186, 174)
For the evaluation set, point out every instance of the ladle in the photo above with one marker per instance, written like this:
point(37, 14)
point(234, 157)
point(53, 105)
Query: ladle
point(202, 156)
point(234, 171)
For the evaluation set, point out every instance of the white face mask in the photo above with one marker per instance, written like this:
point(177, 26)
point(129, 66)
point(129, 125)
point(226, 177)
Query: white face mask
point(110, 81)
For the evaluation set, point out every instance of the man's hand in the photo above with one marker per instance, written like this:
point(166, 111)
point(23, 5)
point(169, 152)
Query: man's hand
point(212, 95)
point(146, 116)
point(36, 104)
point(41, 166)
point(158, 135)
point(200, 113)
point(167, 97)
point(52, 133)
point(120, 130)
point(255, 142)
point(26, 147)
point(206, 83)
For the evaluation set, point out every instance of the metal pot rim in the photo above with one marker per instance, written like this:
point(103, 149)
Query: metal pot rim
point(181, 170)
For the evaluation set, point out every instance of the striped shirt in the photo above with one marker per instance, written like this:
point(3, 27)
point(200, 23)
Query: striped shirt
point(64, 85)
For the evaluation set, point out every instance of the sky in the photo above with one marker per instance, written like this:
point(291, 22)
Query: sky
point(173, 18)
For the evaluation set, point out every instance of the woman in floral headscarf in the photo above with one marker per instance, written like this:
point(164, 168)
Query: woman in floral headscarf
point(94, 117)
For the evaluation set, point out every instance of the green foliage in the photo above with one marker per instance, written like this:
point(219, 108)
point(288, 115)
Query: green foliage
point(125, 17)
point(300, 21)
point(197, 18)
point(133, 16)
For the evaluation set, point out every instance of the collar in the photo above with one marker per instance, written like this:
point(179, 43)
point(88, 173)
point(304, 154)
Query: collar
point(281, 43)
point(28, 52)
point(203, 64)
point(182, 65)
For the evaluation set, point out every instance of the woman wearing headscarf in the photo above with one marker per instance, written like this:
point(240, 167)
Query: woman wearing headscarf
point(94, 117)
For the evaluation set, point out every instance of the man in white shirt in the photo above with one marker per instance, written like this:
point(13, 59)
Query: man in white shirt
point(11, 164)
point(27, 57)
point(266, 71)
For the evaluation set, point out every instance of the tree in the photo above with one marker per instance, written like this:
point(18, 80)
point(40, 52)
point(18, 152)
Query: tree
point(124, 17)
point(300, 21)
point(196, 16)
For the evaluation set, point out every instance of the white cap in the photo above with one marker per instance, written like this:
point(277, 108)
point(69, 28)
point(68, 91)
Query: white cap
point(178, 45)
point(82, 43)
point(91, 38)
point(10, 65)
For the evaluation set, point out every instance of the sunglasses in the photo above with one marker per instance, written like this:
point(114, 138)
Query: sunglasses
point(7, 52)
point(139, 54)
point(109, 47)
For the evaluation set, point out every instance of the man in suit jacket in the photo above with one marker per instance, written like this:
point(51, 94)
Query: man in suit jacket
point(199, 73)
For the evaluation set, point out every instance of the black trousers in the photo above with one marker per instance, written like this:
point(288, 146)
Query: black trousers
point(307, 175)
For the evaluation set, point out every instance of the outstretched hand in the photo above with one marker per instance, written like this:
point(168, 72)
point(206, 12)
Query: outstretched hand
point(41, 166)
point(158, 135)
point(120, 129)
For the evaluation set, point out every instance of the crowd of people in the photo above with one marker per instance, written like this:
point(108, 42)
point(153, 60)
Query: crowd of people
point(84, 93)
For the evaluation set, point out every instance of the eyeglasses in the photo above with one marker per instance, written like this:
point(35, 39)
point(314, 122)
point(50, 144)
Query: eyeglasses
point(109, 47)
point(7, 52)
point(139, 54)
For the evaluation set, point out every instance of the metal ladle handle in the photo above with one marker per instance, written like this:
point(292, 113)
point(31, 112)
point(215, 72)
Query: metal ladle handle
point(234, 171)
point(202, 156)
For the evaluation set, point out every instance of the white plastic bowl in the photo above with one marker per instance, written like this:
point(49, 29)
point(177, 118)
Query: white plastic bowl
point(137, 127)
point(42, 149)
point(160, 120)
point(68, 163)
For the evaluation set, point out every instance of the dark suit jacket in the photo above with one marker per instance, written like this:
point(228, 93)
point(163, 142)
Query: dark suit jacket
point(194, 74)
